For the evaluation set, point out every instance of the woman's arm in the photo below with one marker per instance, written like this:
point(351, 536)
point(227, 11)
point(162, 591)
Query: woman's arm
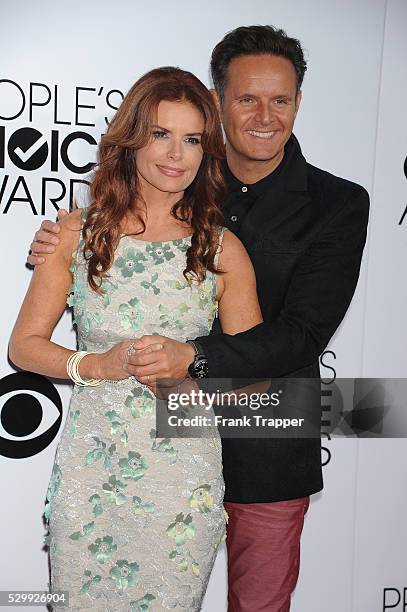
point(30, 346)
point(239, 308)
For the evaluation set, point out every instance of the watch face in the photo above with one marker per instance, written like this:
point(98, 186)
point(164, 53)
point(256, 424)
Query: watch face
point(199, 368)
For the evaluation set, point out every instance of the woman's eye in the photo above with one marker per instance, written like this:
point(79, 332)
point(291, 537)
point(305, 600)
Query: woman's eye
point(159, 134)
point(193, 140)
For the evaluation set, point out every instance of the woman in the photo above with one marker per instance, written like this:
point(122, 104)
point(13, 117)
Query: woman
point(135, 521)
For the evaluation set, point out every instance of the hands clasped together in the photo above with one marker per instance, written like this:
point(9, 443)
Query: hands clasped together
point(148, 359)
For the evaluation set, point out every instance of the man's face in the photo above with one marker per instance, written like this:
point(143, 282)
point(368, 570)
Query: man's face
point(259, 108)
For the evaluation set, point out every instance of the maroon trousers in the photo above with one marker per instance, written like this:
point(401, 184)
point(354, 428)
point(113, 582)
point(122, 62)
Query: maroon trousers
point(263, 544)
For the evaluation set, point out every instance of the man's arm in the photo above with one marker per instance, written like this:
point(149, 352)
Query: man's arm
point(46, 240)
point(318, 297)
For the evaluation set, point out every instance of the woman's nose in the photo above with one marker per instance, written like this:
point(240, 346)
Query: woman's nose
point(174, 151)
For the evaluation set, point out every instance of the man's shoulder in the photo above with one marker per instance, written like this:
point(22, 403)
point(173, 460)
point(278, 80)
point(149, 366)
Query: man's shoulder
point(338, 200)
point(323, 185)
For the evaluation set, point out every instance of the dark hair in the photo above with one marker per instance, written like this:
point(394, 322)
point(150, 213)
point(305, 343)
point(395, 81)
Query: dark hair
point(255, 40)
point(115, 187)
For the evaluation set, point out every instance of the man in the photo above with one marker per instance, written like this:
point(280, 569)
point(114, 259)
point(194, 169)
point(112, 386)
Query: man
point(305, 231)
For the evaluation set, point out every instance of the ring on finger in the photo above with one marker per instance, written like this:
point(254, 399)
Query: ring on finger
point(131, 350)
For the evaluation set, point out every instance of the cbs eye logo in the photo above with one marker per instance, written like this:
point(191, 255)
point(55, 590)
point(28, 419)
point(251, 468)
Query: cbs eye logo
point(29, 404)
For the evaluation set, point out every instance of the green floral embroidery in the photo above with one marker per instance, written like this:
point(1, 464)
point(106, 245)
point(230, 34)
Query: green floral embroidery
point(176, 284)
point(74, 416)
point(201, 499)
point(139, 507)
point(93, 580)
point(73, 259)
point(181, 529)
point(202, 295)
point(172, 317)
point(159, 252)
point(124, 574)
point(102, 549)
point(53, 487)
point(76, 294)
point(181, 245)
point(131, 314)
point(113, 488)
point(130, 263)
point(163, 446)
point(151, 284)
point(86, 531)
point(108, 287)
point(195, 568)
point(48, 541)
point(140, 402)
point(88, 320)
point(117, 423)
point(100, 451)
point(143, 604)
point(97, 506)
point(134, 466)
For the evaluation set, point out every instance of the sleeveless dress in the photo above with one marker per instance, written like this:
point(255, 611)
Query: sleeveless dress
point(134, 521)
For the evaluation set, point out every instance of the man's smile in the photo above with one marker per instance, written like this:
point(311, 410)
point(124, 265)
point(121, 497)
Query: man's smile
point(256, 134)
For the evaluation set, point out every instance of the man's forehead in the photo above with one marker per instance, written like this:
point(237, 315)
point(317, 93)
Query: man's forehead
point(261, 71)
point(256, 83)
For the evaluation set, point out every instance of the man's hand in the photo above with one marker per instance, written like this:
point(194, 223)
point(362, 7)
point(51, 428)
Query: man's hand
point(158, 357)
point(45, 240)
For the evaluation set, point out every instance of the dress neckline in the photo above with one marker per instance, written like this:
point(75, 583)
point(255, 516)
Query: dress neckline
point(139, 240)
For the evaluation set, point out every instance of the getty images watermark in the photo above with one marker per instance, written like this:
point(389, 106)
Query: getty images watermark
point(282, 408)
point(199, 399)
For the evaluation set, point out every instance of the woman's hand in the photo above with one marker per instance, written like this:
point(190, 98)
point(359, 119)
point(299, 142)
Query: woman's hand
point(111, 365)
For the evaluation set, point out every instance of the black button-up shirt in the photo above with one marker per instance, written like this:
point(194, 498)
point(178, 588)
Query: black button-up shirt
point(242, 197)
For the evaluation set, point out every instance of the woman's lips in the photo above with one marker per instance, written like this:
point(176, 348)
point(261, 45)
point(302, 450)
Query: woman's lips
point(170, 171)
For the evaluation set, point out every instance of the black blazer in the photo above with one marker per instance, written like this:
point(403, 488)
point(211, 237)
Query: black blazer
point(305, 237)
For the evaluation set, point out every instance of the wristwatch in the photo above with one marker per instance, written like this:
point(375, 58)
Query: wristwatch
point(199, 367)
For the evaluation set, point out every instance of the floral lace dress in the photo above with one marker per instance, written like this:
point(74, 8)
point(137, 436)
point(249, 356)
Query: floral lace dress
point(134, 521)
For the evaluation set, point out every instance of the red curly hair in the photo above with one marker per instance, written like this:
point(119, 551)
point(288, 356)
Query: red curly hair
point(115, 186)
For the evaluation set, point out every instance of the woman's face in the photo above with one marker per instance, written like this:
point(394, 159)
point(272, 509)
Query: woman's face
point(170, 161)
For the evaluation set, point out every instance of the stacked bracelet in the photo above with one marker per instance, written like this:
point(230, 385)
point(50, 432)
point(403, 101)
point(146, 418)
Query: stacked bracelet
point(72, 368)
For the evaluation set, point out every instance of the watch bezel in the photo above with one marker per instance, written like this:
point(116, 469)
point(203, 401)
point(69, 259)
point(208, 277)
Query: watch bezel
point(199, 367)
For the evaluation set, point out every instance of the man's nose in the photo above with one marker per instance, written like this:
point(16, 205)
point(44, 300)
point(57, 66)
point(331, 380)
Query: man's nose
point(264, 114)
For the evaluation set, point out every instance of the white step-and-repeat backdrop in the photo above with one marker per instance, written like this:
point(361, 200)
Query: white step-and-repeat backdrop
point(64, 69)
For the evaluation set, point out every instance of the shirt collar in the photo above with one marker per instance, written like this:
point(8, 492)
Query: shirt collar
point(292, 169)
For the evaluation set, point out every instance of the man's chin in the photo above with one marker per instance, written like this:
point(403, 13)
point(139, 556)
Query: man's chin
point(262, 156)
point(260, 152)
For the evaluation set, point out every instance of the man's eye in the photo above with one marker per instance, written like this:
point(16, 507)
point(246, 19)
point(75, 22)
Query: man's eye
point(246, 100)
point(159, 134)
point(281, 101)
point(193, 140)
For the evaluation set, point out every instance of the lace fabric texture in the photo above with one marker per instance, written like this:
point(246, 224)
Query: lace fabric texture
point(134, 521)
